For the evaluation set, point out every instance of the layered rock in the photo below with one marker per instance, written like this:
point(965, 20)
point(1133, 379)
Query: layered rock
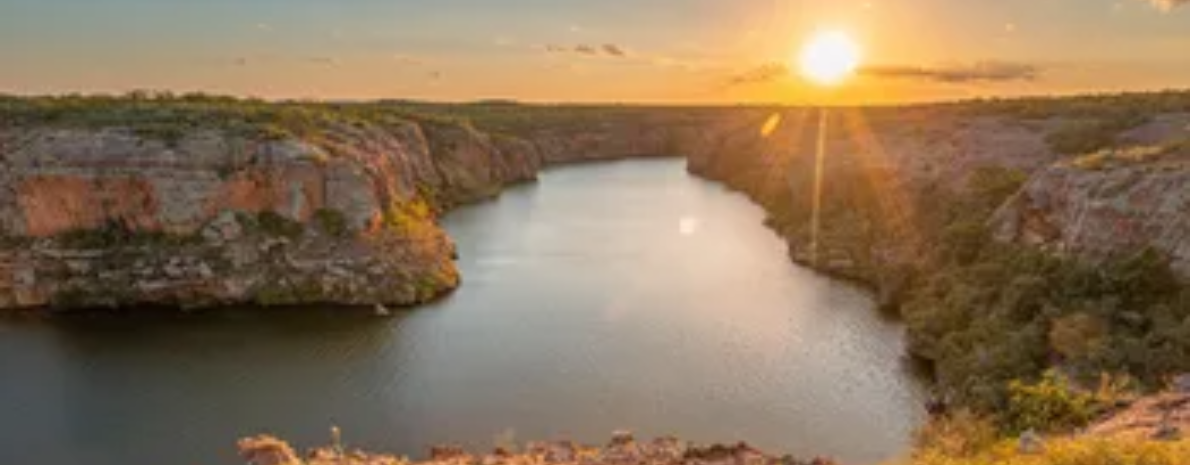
point(106, 217)
point(1104, 204)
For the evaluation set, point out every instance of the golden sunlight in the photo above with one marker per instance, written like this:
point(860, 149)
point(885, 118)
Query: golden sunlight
point(829, 58)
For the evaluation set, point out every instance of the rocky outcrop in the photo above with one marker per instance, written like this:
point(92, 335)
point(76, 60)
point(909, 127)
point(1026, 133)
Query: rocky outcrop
point(876, 167)
point(888, 176)
point(105, 217)
point(1164, 416)
point(623, 449)
point(1104, 204)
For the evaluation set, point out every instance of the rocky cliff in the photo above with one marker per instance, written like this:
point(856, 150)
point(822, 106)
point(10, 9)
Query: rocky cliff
point(200, 201)
point(116, 214)
point(1013, 238)
point(1106, 203)
point(891, 178)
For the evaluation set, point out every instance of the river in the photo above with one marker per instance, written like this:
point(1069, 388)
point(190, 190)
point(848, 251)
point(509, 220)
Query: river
point(625, 295)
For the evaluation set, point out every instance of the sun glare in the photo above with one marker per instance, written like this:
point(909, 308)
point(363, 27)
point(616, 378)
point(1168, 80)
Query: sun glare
point(829, 58)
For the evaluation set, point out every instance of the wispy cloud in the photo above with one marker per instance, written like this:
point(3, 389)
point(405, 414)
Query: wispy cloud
point(764, 73)
point(614, 50)
point(605, 50)
point(978, 72)
point(952, 74)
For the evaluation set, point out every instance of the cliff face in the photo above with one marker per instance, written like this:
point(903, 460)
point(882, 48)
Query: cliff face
point(97, 218)
point(876, 169)
point(106, 217)
point(1096, 212)
point(888, 182)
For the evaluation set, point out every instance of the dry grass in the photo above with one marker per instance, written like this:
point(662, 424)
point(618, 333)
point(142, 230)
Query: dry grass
point(1075, 451)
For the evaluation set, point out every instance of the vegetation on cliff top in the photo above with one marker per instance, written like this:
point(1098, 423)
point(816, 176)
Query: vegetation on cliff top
point(994, 318)
point(167, 116)
point(1094, 120)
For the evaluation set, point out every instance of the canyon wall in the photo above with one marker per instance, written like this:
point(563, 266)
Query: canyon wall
point(109, 217)
point(105, 217)
point(1095, 212)
point(890, 180)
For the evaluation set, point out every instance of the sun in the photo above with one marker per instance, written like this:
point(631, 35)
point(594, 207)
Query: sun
point(829, 58)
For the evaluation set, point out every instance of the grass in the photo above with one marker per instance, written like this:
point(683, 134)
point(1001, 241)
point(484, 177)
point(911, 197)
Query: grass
point(1111, 158)
point(1068, 451)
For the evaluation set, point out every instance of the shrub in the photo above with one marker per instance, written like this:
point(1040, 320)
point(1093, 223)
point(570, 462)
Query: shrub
point(960, 434)
point(1078, 336)
point(1086, 136)
point(332, 222)
point(1051, 404)
point(277, 225)
point(408, 216)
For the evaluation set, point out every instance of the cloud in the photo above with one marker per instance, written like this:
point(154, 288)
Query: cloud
point(605, 50)
point(1166, 5)
point(978, 72)
point(760, 74)
point(614, 50)
point(586, 50)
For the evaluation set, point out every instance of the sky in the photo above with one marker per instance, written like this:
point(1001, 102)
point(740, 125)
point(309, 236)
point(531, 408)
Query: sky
point(655, 51)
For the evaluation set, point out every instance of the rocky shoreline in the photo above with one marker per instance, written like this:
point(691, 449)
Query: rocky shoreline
point(623, 449)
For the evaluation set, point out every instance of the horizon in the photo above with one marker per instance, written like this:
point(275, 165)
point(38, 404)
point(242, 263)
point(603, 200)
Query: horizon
point(568, 52)
point(177, 94)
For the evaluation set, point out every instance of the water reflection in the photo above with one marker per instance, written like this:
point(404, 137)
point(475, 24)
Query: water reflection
point(624, 295)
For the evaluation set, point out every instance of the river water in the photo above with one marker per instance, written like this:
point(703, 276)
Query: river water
point(623, 295)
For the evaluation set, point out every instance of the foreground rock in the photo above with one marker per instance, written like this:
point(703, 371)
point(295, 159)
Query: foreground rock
point(622, 450)
point(1162, 417)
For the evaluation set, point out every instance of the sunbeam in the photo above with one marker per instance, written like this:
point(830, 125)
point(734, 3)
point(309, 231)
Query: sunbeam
point(819, 165)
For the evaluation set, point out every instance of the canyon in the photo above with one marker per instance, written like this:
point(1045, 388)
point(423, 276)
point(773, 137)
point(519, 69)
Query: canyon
point(111, 215)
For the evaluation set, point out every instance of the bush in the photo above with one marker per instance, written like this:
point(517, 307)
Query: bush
point(1050, 405)
point(1078, 336)
point(960, 434)
point(408, 216)
point(332, 222)
point(1087, 136)
point(276, 225)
